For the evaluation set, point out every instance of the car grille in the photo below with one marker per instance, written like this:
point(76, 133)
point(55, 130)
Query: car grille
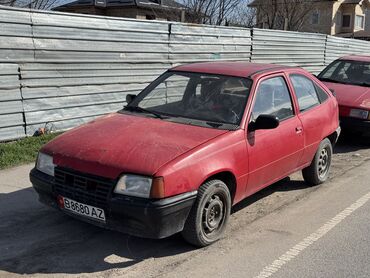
point(87, 189)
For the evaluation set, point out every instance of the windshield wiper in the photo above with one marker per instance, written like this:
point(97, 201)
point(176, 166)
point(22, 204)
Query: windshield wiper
point(143, 110)
point(214, 124)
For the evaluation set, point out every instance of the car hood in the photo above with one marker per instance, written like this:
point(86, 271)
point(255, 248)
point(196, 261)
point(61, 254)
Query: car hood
point(351, 95)
point(121, 143)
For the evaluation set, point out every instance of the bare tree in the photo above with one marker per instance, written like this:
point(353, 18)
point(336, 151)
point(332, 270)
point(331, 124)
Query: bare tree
point(7, 2)
point(33, 4)
point(283, 14)
point(215, 12)
point(243, 16)
point(40, 4)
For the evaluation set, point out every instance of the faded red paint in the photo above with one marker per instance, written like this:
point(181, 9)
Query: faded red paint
point(185, 156)
point(351, 96)
point(123, 143)
point(239, 69)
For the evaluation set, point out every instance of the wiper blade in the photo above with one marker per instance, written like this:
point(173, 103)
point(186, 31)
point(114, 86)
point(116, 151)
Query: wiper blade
point(214, 124)
point(143, 110)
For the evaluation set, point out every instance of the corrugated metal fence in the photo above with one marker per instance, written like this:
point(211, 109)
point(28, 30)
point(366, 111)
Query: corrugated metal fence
point(11, 116)
point(65, 69)
point(289, 48)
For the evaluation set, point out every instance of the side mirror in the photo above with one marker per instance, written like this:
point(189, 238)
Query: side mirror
point(264, 122)
point(130, 98)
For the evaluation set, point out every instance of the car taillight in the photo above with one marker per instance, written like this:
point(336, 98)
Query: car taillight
point(60, 201)
point(344, 111)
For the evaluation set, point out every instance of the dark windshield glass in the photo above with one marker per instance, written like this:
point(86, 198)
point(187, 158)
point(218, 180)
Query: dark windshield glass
point(347, 72)
point(204, 97)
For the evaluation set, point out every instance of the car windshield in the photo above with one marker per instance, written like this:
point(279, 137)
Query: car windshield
point(347, 72)
point(214, 99)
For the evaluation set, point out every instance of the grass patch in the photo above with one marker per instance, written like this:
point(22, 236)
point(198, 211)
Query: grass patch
point(22, 151)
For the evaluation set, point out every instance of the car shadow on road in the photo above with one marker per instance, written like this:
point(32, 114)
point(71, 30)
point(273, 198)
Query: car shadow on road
point(286, 184)
point(39, 240)
point(351, 142)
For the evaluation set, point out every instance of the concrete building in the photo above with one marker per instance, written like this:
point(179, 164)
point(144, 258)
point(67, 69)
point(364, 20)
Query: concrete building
point(344, 18)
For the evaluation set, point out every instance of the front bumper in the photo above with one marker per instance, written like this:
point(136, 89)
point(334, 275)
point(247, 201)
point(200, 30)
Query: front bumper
point(135, 216)
point(356, 125)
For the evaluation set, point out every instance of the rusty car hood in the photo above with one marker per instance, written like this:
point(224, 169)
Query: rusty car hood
point(351, 95)
point(121, 143)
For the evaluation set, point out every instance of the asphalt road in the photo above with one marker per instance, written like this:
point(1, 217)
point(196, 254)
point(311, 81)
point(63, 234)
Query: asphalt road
point(286, 230)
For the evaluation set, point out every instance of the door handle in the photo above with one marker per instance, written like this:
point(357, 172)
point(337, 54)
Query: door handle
point(298, 130)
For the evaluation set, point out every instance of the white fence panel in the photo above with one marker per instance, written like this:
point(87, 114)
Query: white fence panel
point(289, 48)
point(74, 68)
point(11, 107)
point(338, 47)
point(196, 43)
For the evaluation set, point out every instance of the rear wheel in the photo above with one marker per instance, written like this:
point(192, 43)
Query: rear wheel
point(318, 171)
point(209, 215)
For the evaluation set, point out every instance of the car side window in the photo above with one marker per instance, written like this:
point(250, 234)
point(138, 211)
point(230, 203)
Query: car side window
point(273, 98)
point(321, 93)
point(305, 91)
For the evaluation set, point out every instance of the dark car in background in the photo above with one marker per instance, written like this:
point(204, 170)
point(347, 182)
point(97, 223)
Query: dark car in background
point(349, 78)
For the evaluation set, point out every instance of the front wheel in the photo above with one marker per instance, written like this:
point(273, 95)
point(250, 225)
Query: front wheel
point(318, 171)
point(209, 215)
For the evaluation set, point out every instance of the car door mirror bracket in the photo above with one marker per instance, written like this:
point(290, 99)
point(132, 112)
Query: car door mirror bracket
point(130, 98)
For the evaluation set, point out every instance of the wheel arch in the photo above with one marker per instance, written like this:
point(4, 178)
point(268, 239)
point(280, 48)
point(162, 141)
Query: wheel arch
point(228, 178)
point(333, 137)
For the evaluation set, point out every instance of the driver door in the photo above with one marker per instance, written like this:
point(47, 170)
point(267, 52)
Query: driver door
point(273, 153)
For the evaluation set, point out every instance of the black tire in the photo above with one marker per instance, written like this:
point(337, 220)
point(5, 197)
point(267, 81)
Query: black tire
point(318, 172)
point(209, 215)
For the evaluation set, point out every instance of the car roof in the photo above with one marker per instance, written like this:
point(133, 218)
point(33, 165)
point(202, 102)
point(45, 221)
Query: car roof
point(239, 69)
point(360, 58)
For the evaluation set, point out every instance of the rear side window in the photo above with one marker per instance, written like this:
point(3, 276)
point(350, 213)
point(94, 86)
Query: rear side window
point(306, 92)
point(321, 93)
point(273, 98)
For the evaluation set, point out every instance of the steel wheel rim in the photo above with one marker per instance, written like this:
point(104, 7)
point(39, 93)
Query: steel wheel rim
point(323, 163)
point(213, 215)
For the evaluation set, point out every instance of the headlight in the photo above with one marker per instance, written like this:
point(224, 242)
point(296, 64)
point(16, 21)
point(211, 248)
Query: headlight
point(134, 185)
point(45, 164)
point(359, 113)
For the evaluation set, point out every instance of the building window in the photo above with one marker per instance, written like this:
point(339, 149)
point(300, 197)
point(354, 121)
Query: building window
point(346, 21)
point(360, 21)
point(315, 17)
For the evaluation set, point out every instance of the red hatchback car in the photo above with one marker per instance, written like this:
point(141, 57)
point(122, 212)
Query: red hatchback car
point(197, 140)
point(349, 78)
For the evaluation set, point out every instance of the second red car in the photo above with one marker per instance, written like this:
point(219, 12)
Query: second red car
point(349, 78)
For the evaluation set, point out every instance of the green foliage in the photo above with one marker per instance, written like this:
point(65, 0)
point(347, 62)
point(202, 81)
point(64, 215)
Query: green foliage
point(22, 151)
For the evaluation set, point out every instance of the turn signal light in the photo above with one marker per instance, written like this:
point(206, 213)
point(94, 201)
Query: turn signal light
point(157, 190)
point(60, 201)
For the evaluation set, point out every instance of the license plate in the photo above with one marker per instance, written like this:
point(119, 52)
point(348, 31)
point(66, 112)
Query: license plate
point(358, 113)
point(81, 209)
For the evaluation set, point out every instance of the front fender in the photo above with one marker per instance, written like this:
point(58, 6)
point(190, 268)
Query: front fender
point(226, 153)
